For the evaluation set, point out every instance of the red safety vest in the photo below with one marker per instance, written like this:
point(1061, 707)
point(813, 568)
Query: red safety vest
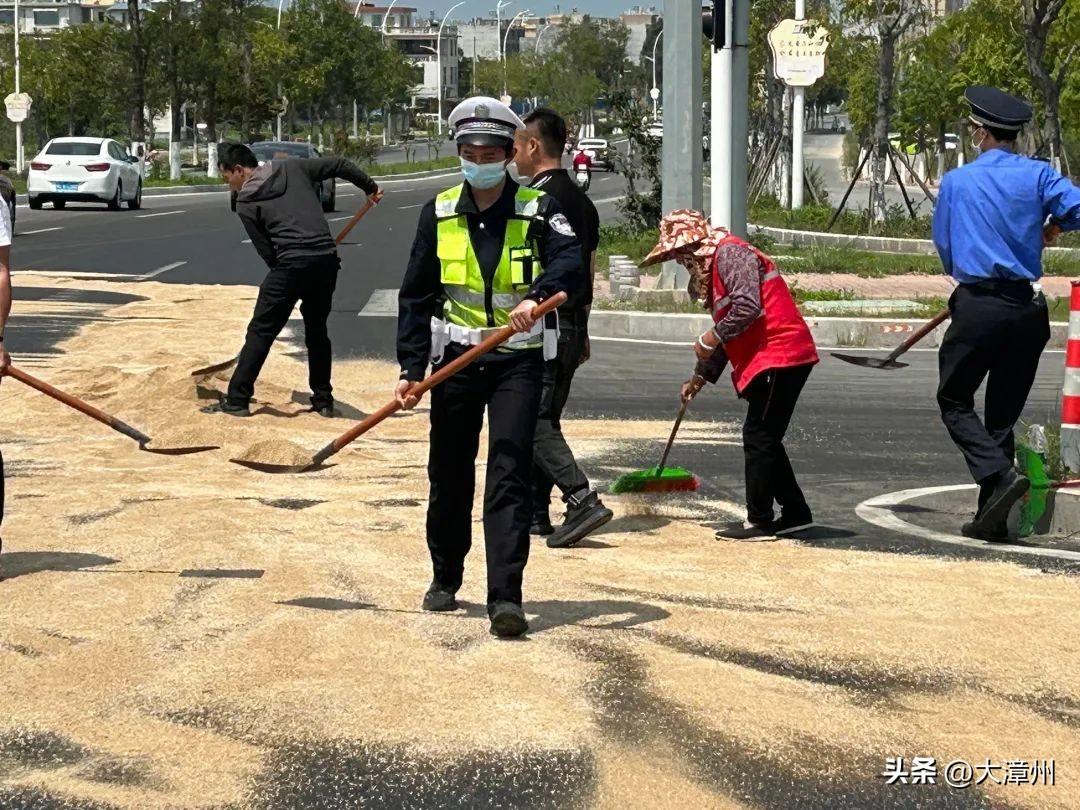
point(779, 338)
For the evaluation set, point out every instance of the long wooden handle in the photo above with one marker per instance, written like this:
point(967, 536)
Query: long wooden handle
point(77, 404)
point(359, 215)
point(449, 370)
point(671, 438)
point(919, 334)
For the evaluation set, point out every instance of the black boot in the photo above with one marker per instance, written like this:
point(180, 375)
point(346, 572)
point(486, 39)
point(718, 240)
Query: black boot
point(541, 526)
point(440, 598)
point(584, 515)
point(1005, 490)
point(224, 407)
point(507, 619)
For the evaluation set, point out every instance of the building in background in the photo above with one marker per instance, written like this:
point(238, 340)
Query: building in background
point(482, 38)
point(638, 21)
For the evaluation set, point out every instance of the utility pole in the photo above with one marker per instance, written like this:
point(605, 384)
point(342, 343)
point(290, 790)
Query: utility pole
point(720, 118)
point(682, 146)
point(18, 90)
point(798, 116)
point(739, 112)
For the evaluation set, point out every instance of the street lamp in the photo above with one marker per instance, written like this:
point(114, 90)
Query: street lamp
point(386, 16)
point(498, 21)
point(506, 37)
point(438, 59)
point(18, 124)
point(541, 36)
point(655, 90)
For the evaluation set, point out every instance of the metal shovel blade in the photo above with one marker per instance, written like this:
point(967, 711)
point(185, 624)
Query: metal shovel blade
point(216, 367)
point(884, 364)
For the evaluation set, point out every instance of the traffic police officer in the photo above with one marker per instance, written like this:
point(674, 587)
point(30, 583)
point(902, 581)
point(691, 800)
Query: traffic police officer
point(988, 228)
point(486, 253)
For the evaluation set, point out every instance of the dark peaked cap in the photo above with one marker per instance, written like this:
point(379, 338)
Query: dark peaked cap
point(995, 108)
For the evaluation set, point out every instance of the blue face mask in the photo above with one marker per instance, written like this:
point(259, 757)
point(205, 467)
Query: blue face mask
point(483, 175)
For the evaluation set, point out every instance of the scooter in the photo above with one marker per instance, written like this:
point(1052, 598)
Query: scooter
point(583, 177)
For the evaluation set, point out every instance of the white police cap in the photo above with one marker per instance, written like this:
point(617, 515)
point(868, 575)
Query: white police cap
point(484, 121)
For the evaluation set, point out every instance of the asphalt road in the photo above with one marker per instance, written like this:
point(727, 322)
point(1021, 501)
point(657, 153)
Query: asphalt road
point(857, 434)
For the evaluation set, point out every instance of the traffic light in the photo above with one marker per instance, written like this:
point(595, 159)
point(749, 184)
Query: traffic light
point(712, 23)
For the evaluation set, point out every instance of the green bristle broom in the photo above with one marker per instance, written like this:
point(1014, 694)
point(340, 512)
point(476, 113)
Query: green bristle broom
point(660, 478)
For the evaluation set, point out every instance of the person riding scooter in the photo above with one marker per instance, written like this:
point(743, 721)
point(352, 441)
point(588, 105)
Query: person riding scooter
point(583, 170)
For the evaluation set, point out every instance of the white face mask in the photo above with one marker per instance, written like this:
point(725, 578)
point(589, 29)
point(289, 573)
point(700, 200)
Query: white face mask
point(517, 176)
point(978, 146)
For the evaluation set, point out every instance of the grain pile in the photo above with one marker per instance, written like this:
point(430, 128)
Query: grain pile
point(664, 669)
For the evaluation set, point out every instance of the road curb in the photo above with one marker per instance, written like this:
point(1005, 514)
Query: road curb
point(862, 333)
point(876, 244)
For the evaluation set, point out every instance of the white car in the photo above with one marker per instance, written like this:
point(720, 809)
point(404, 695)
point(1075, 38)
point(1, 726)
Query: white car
point(599, 153)
point(656, 130)
point(84, 170)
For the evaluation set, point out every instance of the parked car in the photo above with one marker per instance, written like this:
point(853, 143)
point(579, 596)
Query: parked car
point(656, 130)
point(599, 152)
point(84, 170)
point(285, 150)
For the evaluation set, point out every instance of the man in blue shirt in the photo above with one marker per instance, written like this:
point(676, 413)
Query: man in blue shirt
point(989, 226)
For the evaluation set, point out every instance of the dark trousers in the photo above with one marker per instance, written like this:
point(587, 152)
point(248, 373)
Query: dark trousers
point(553, 462)
point(997, 334)
point(771, 398)
point(312, 284)
point(508, 386)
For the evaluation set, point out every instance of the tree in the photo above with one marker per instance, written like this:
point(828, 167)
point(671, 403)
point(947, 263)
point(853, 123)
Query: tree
point(139, 59)
point(1047, 73)
point(890, 20)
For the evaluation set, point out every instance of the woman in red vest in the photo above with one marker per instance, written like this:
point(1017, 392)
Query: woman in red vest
point(758, 329)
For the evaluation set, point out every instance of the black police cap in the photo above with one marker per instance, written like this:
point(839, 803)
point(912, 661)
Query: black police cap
point(996, 108)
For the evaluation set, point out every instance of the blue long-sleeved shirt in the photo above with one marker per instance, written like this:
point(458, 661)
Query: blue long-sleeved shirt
point(988, 222)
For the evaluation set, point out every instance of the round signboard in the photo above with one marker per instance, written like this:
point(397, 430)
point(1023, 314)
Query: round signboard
point(18, 106)
point(798, 48)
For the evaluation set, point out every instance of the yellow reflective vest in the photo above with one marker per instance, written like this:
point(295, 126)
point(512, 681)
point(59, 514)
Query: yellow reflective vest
point(470, 302)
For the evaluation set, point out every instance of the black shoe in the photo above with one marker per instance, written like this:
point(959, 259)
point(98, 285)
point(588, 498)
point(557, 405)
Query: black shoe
point(541, 527)
point(326, 411)
point(978, 530)
point(792, 524)
point(507, 620)
point(439, 598)
point(1008, 489)
point(224, 407)
point(748, 532)
point(582, 518)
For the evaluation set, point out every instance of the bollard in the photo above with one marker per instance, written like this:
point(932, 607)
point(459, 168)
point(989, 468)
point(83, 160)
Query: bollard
point(1070, 399)
point(614, 265)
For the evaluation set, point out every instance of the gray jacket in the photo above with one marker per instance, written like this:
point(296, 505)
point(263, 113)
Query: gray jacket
point(281, 211)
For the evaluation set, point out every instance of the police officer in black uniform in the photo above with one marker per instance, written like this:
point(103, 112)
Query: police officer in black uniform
point(540, 146)
point(486, 253)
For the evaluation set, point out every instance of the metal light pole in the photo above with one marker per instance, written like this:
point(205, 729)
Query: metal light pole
point(386, 16)
point(655, 95)
point(506, 37)
point(540, 36)
point(438, 58)
point(18, 124)
point(498, 23)
point(798, 115)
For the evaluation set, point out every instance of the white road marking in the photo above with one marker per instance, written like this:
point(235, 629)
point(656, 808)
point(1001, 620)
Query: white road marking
point(684, 344)
point(39, 230)
point(606, 200)
point(246, 242)
point(160, 270)
point(879, 511)
point(407, 207)
point(381, 303)
point(158, 214)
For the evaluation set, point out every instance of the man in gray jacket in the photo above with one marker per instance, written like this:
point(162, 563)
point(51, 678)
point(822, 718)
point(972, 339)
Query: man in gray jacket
point(283, 216)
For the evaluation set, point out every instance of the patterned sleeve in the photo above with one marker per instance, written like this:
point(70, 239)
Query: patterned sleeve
point(740, 272)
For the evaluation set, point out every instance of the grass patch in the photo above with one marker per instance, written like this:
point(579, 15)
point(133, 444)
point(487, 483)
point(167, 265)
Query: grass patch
point(622, 240)
point(648, 304)
point(862, 263)
point(897, 224)
point(388, 169)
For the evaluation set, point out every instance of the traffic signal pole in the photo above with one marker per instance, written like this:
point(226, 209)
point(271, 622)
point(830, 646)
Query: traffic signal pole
point(682, 146)
point(729, 97)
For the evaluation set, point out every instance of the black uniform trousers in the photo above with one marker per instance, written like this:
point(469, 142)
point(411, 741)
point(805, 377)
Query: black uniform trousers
point(554, 463)
point(508, 386)
point(997, 334)
point(771, 397)
point(312, 283)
